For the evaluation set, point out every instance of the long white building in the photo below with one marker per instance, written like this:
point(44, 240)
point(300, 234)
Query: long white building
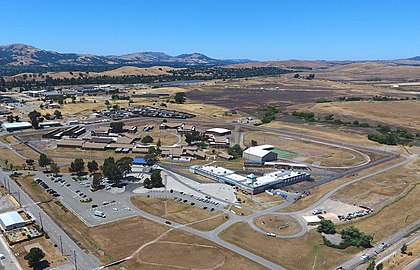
point(251, 183)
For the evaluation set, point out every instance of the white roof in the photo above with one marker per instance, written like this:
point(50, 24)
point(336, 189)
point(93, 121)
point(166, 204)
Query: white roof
point(17, 125)
point(11, 218)
point(311, 219)
point(256, 152)
point(215, 170)
point(218, 130)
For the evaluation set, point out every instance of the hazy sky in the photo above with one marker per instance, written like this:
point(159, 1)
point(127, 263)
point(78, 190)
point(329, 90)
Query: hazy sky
point(258, 29)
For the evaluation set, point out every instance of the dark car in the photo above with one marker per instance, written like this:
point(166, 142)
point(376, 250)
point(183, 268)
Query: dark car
point(168, 222)
point(94, 205)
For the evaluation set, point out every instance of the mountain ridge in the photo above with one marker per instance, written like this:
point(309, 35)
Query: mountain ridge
point(17, 57)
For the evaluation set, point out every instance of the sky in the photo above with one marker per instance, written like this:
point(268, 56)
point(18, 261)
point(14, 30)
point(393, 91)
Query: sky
point(224, 29)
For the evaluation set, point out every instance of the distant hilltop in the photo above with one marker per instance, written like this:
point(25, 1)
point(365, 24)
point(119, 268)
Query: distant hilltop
point(18, 58)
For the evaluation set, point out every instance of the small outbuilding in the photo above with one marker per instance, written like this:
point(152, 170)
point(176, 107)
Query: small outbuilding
point(11, 220)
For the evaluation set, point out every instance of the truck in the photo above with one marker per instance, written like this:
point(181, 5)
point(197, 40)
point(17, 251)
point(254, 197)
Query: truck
point(317, 211)
point(99, 214)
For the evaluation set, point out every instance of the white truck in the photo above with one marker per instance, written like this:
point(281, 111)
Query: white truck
point(317, 211)
point(99, 214)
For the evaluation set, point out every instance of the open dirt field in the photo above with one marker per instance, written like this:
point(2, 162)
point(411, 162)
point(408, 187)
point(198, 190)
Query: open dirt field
point(278, 224)
point(396, 113)
point(180, 250)
point(52, 254)
point(400, 260)
point(179, 212)
point(307, 252)
point(379, 190)
point(308, 152)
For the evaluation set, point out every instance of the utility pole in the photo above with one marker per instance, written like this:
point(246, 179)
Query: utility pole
point(61, 245)
point(75, 261)
point(40, 220)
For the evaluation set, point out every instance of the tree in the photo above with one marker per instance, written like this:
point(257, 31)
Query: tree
point(254, 143)
point(180, 97)
point(152, 156)
point(34, 118)
point(111, 171)
point(147, 139)
point(235, 151)
point(117, 127)
point(77, 166)
point(147, 183)
point(371, 265)
point(326, 226)
point(96, 181)
point(44, 160)
point(380, 266)
point(34, 256)
point(54, 168)
point(354, 237)
point(30, 162)
point(124, 165)
point(159, 143)
point(58, 114)
point(92, 166)
point(404, 248)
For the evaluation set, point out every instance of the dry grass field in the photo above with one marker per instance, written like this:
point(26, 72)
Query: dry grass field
point(400, 260)
point(308, 152)
point(319, 191)
point(259, 201)
point(307, 252)
point(180, 212)
point(396, 113)
point(380, 190)
point(393, 217)
point(278, 224)
point(180, 250)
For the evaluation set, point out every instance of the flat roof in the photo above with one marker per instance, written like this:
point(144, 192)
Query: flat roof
point(218, 130)
point(17, 125)
point(216, 170)
point(11, 218)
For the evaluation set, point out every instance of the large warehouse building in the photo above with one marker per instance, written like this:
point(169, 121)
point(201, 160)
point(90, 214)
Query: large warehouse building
point(11, 220)
point(259, 154)
point(251, 183)
point(16, 126)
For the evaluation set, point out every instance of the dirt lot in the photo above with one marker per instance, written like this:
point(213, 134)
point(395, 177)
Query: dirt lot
point(179, 212)
point(181, 250)
point(397, 113)
point(399, 260)
point(278, 224)
point(307, 252)
point(52, 254)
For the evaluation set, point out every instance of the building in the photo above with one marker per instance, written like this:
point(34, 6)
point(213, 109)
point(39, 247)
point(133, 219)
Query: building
point(259, 154)
point(170, 125)
point(12, 220)
point(71, 143)
point(94, 146)
point(251, 183)
point(17, 126)
point(218, 132)
point(219, 141)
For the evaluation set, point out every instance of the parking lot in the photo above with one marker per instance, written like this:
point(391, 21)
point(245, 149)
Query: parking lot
point(78, 198)
point(207, 203)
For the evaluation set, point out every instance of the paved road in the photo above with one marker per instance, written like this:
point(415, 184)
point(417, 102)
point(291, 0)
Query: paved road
point(9, 262)
point(84, 261)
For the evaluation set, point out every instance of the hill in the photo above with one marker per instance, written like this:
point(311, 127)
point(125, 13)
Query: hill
point(289, 64)
point(122, 71)
point(21, 58)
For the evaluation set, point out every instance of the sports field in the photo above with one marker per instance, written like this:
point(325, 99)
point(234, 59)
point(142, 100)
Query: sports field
point(283, 154)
